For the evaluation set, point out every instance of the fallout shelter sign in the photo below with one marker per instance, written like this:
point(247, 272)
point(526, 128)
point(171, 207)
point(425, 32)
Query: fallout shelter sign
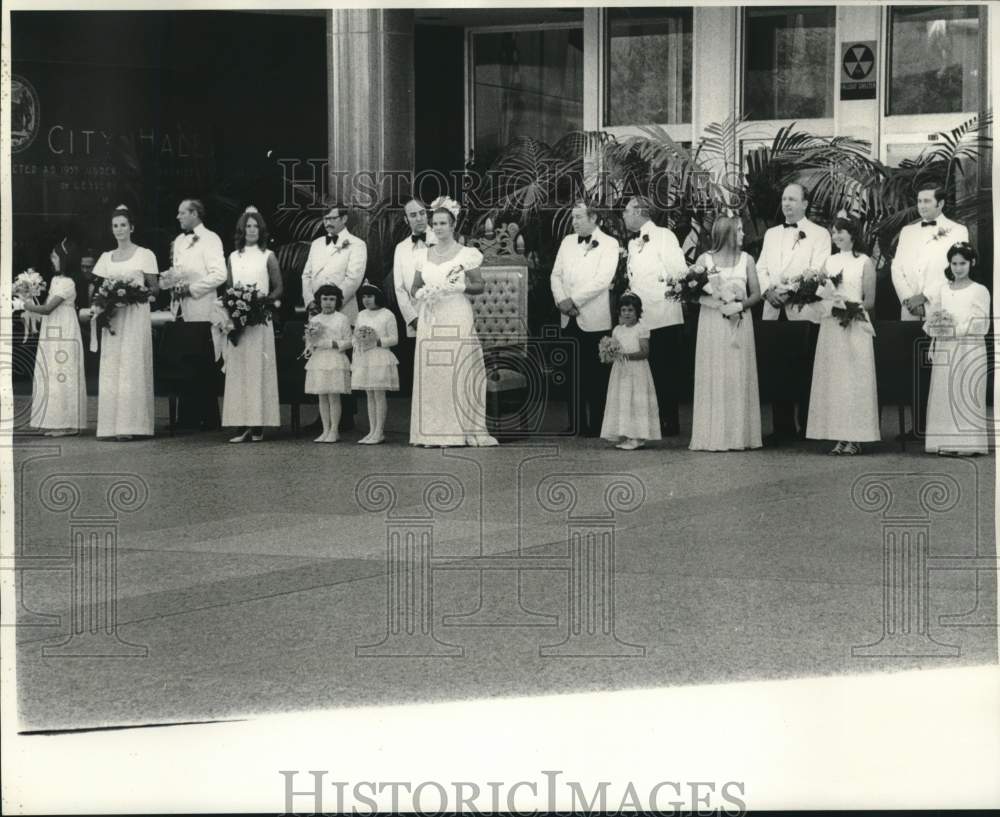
point(858, 70)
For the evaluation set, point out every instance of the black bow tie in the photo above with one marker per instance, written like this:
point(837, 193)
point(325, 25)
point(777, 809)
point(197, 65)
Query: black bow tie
point(417, 238)
point(931, 223)
point(187, 232)
point(582, 239)
point(331, 239)
point(791, 226)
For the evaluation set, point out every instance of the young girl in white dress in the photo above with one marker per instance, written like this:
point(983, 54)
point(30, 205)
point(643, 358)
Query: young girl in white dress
point(251, 396)
point(843, 403)
point(726, 414)
point(125, 390)
point(958, 318)
point(631, 410)
point(374, 368)
point(449, 401)
point(328, 371)
point(59, 391)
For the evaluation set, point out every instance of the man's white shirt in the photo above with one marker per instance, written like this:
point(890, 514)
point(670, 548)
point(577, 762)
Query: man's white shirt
point(921, 257)
point(584, 272)
point(341, 263)
point(655, 259)
point(402, 275)
point(787, 253)
point(198, 258)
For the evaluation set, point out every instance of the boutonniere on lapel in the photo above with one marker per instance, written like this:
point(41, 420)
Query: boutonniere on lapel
point(591, 245)
point(194, 240)
point(339, 247)
point(643, 241)
point(941, 233)
point(799, 237)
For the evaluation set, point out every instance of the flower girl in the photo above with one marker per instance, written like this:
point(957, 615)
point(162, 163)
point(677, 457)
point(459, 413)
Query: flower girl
point(375, 368)
point(631, 410)
point(328, 371)
point(958, 317)
point(59, 399)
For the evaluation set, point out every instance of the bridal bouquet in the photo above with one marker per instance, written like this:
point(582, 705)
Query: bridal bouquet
point(432, 293)
point(846, 312)
point(28, 287)
point(108, 298)
point(365, 338)
point(174, 281)
point(245, 306)
point(609, 350)
point(730, 293)
point(690, 286)
point(940, 323)
point(802, 288)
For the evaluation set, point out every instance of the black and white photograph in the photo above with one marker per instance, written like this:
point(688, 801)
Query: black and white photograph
point(499, 406)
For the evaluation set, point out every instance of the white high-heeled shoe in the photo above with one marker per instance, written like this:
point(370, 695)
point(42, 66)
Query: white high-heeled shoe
point(242, 438)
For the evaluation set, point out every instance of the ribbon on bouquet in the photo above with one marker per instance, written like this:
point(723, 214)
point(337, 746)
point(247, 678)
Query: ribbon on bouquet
point(32, 321)
point(94, 330)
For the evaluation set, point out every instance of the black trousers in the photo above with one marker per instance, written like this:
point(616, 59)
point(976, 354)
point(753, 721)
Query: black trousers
point(586, 380)
point(198, 402)
point(406, 351)
point(666, 347)
point(784, 411)
point(923, 388)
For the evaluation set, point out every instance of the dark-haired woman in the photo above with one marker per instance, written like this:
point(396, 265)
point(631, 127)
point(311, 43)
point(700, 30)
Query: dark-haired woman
point(125, 391)
point(251, 398)
point(957, 318)
point(843, 403)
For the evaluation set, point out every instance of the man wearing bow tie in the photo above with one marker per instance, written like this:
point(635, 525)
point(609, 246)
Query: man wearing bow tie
point(198, 261)
point(420, 237)
point(337, 258)
point(654, 260)
point(581, 277)
point(790, 249)
point(922, 254)
point(918, 274)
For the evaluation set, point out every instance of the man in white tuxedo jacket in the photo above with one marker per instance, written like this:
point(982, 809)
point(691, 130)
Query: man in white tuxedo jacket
point(789, 249)
point(337, 258)
point(654, 260)
point(420, 237)
point(581, 279)
point(918, 275)
point(922, 254)
point(198, 260)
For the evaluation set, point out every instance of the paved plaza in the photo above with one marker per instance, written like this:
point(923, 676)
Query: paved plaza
point(256, 576)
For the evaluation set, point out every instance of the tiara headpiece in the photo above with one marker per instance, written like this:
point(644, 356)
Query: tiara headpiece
point(448, 204)
point(251, 209)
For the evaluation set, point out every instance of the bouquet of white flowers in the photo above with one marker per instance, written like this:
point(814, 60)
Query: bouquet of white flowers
point(28, 287)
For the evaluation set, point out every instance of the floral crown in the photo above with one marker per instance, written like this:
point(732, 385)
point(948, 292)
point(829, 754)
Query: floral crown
point(448, 204)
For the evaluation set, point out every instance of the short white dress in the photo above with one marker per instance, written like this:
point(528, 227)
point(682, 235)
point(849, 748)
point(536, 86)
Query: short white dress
point(125, 391)
point(328, 371)
point(631, 409)
point(59, 390)
point(843, 402)
point(251, 396)
point(376, 368)
point(957, 414)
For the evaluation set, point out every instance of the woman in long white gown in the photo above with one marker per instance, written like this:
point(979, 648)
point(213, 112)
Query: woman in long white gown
point(726, 396)
point(449, 376)
point(958, 318)
point(843, 401)
point(250, 401)
point(125, 390)
point(58, 395)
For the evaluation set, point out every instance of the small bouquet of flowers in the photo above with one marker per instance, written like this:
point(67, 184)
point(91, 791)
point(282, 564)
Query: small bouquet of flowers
point(245, 306)
point(609, 349)
point(108, 298)
point(730, 294)
point(848, 312)
point(690, 286)
point(28, 287)
point(940, 323)
point(365, 338)
point(312, 334)
point(432, 293)
point(803, 288)
point(174, 281)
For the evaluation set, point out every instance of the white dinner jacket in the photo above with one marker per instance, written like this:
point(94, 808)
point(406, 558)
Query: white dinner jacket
point(402, 276)
point(341, 263)
point(920, 259)
point(786, 253)
point(200, 260)
point(654, 260)
point(584, 272)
